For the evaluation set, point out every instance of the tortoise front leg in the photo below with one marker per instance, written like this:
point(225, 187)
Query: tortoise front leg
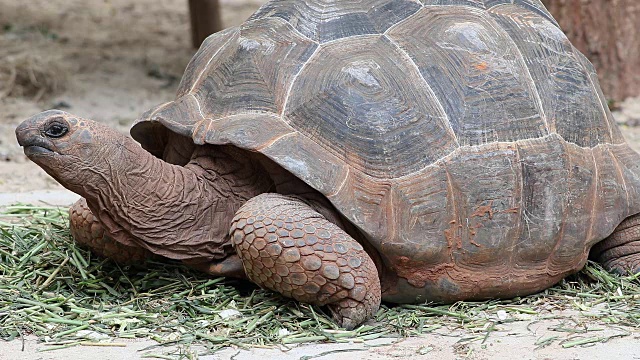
point(88, 232)
point(288, 247)
point(620, 252)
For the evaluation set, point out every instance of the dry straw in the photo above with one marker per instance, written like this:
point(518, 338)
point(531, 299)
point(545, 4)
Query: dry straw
point(28, 67)
point(68, 297)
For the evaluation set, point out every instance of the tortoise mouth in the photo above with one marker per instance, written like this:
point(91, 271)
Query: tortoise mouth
point(35, 145)
point(35, 150)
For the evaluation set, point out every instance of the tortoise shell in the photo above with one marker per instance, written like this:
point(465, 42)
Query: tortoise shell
point(468, 140)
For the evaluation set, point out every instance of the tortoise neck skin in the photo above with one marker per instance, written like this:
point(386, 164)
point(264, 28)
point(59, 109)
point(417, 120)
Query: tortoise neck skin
point(174, 211)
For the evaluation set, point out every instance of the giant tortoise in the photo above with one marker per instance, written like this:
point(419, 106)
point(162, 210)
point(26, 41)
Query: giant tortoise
point(347, 152)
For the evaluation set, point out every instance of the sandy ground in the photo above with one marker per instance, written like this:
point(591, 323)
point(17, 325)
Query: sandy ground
point(114, 59)
point(510, 341)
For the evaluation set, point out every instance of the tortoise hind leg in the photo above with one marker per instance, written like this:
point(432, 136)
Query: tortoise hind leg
point(288, 247)
point(88, 232)
point(620, 252)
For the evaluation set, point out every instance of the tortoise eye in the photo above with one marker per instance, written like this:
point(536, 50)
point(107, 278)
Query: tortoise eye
point(56, 130)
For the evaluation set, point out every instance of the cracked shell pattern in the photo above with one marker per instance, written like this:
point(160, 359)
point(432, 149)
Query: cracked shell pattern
point(88, 232)
point(309, 259)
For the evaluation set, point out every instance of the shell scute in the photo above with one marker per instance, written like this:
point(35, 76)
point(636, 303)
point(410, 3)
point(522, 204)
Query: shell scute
point(475, 72)
point(324, 21)
point(244, 79)
point(372, 112)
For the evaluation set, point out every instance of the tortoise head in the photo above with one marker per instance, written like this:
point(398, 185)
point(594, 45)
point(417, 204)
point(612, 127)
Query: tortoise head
point(67, 147)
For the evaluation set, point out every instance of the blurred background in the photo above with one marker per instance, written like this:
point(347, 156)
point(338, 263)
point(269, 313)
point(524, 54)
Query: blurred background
point(110, 60)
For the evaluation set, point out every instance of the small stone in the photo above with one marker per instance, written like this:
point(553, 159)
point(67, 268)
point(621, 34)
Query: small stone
point(229, 313)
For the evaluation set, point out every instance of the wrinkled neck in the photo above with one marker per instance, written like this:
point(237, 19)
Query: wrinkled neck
point(174, 211)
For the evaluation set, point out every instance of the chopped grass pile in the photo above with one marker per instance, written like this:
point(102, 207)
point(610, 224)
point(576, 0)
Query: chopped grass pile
point(66, 296)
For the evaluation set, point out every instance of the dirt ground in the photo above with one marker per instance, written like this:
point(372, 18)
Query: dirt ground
point(110, 60)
